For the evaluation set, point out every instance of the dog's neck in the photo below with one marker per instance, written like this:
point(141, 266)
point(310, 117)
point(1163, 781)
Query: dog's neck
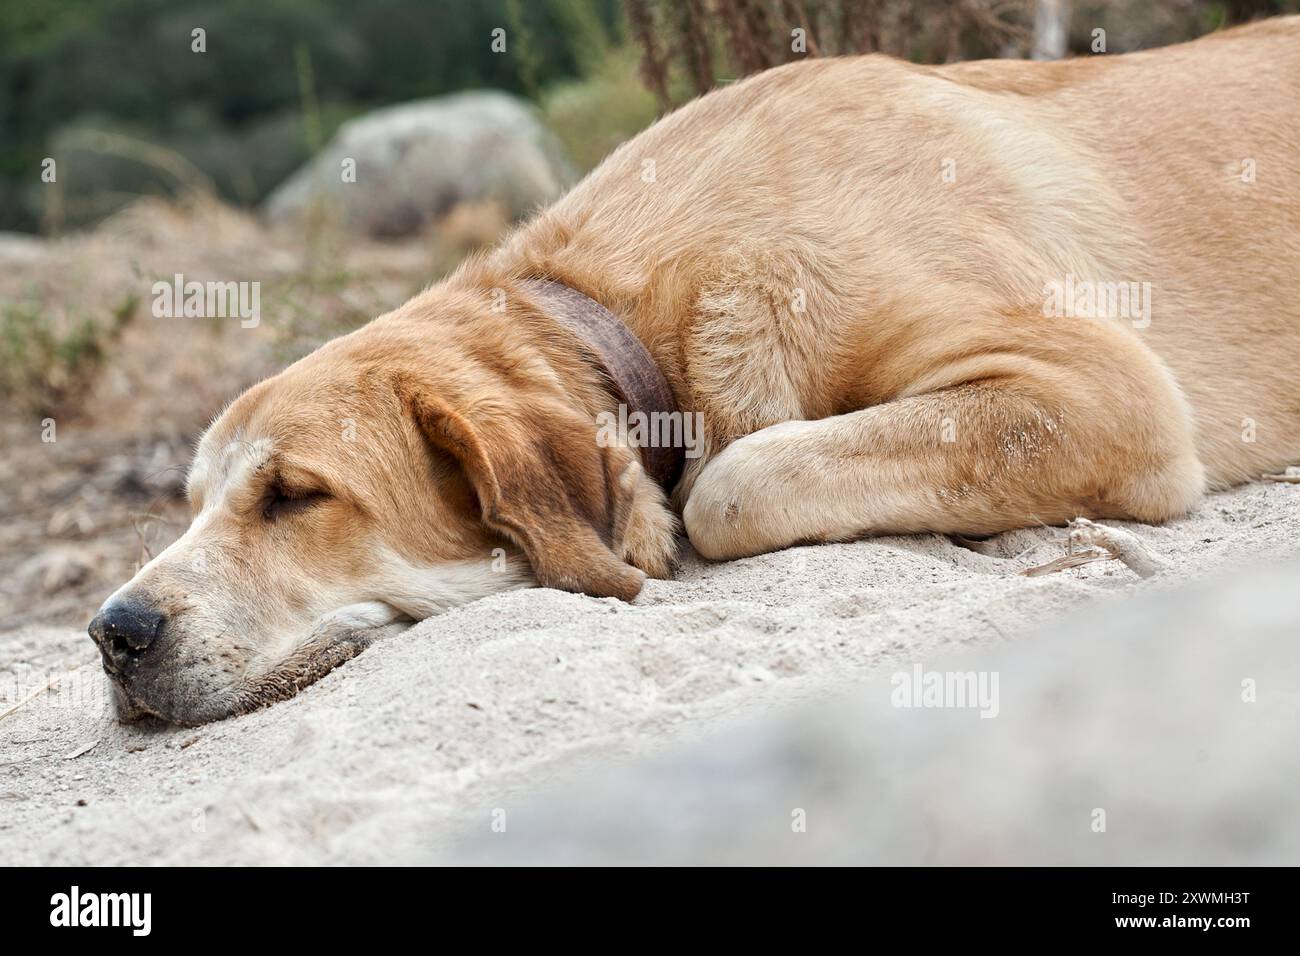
point(623, 360)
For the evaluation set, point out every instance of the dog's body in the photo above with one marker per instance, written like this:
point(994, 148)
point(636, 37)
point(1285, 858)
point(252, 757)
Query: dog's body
point(827, 178)
point(843, 266)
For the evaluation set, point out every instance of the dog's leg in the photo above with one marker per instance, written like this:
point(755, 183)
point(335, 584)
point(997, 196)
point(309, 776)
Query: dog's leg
point(1106, 438)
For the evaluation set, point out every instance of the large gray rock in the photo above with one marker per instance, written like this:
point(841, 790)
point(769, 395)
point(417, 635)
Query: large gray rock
point(1163, 731)
point(18, 249)
point(415, 161)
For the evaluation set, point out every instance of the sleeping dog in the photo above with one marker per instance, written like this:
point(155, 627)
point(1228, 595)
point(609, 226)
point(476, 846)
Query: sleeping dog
point(895, 298)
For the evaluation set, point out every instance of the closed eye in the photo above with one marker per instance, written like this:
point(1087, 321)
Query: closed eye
point(282, 502)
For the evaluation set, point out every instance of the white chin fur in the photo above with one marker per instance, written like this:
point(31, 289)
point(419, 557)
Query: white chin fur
point(420, 592)
point(410, 592)
point(365, 614)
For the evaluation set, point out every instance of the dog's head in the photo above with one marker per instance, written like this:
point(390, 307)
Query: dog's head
point(431, 458)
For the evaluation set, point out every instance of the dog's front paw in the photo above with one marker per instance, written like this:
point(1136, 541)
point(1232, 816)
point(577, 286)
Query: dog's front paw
point(650, 536)
point(743, 500)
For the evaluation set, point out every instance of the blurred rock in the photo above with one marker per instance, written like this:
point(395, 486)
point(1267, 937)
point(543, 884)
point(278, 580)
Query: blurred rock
point(416, 161)
point(1162, 731)
point(19, 249)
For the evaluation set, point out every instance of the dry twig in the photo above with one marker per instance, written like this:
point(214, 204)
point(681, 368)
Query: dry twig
point(1106, 544)
point(30, 697)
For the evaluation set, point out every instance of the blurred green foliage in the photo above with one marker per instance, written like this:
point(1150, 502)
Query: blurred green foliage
point(235, 111)
point(592, 115)
point(46, 360)
point(279, 76)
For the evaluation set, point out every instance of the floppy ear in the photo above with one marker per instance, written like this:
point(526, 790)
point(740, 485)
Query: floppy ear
point(543, 481)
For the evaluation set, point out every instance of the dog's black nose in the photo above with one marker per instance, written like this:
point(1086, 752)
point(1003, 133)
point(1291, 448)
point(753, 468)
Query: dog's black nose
point(124, 629)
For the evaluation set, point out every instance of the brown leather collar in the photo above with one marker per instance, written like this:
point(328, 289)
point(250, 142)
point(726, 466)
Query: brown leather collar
point(625, 362)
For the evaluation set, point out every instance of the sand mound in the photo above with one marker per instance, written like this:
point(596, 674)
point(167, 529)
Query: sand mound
point(417, 741)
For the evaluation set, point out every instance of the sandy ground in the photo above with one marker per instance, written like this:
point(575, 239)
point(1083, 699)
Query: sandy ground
point(428, 736)
point(1157, 730)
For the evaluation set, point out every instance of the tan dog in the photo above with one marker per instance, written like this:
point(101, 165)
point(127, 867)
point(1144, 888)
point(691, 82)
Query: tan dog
point(902, 299)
